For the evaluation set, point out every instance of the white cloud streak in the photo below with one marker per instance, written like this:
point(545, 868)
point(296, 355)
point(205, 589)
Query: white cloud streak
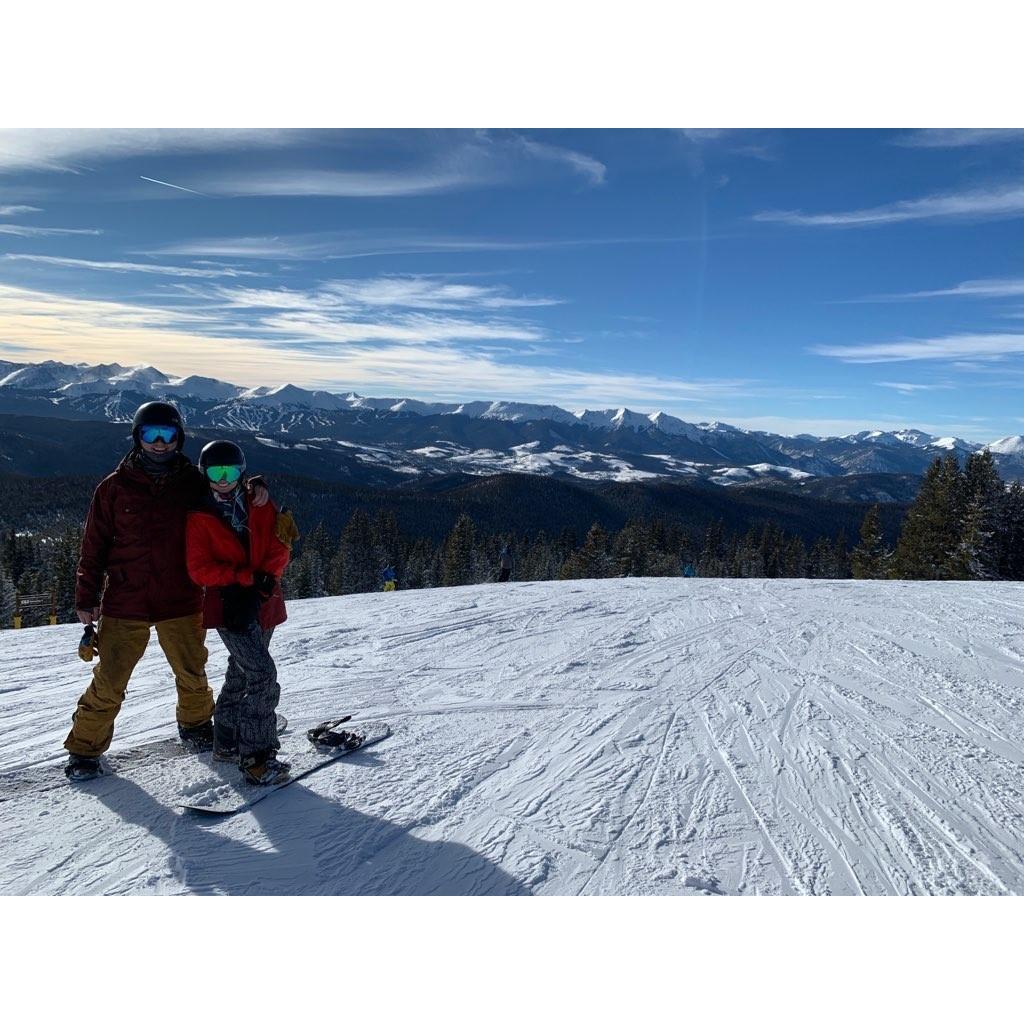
point(24, 231)
point(392, 359)
point(986, 288)
point(910, 389)
point(15, 211)
point(960, 346)
point(67, 150)
point(356, 245)
point(131, 268)
point(956, 138)
point(979, 204)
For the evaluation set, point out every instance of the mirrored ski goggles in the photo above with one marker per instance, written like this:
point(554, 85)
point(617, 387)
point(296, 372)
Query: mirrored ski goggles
point(151, 434)
point(223, 474)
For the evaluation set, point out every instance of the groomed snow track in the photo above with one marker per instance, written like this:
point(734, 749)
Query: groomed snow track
point(699, 737)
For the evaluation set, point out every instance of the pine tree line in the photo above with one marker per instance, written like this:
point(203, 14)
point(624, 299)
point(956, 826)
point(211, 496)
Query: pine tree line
point(965, 524)
point(353, 562)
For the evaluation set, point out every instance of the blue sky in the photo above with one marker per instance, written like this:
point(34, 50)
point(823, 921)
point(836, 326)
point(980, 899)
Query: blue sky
point(797, 281)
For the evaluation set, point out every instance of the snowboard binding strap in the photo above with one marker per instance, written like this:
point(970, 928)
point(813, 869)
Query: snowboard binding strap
point(327, 734)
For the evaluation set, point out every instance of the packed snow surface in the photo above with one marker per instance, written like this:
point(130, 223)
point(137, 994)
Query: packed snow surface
point(698, 737)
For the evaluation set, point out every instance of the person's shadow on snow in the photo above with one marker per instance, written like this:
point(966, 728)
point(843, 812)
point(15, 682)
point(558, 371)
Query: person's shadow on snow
point(318, 847)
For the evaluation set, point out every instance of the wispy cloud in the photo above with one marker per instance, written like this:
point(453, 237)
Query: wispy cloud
point(354, 184)
point(985, 288)
point(959, 346)
point(591, 169)
point(417, 164)
point(979, 204)
point(355, 245)
point(910, 389)
point(24, 231)
point(955, 138)
point(69, 150)
point(430, 292)
point(131, 268)
point(379, 362)
point(15, 211)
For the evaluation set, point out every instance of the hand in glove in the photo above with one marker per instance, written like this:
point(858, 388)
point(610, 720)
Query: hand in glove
point(264, 583)
point(285, 529)
point(241, 607)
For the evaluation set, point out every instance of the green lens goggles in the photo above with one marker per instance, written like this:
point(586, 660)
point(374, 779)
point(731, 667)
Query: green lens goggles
point(223, 474)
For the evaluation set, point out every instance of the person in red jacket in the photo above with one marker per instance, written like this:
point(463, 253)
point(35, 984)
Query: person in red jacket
point(132, 572)
point(234, 552)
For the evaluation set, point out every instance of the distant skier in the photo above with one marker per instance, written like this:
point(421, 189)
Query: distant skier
point(389, 578)
point(688, 570)
point(132, 576)
point(505, 564)
point(234, 551)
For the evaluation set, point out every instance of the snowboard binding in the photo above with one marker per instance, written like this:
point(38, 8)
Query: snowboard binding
point(327, 734)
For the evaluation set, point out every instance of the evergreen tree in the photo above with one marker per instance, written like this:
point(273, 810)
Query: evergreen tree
point(458, 563)
point(592, 561)
point(931, 530)
point(979, 552)
point(869, 556)
point(354, 568)
point(1011, 534)
point(712, 553)
point(631, 555)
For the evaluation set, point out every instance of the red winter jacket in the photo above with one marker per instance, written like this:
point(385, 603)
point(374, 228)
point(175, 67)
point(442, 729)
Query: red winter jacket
point(217, 558)
point(132, 563)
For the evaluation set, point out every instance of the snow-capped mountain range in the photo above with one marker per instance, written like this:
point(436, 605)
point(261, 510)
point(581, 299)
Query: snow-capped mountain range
point(406, 437)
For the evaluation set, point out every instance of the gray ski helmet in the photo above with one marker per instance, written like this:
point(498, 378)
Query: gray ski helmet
point(158, 414)
point(221, 453)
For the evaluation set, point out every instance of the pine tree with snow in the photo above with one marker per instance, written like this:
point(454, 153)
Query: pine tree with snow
point(711, 560)
point(930, 536)
point(1011, 533)
point(794, 559)
point(458, 564)
point(592, 561)
point(869, 558)
point(354, 568)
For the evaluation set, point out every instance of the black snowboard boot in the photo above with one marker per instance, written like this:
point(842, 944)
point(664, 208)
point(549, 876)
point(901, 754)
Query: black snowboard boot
point(197, 738)
point(263, 768)
point(81, 769)
point(225, 744)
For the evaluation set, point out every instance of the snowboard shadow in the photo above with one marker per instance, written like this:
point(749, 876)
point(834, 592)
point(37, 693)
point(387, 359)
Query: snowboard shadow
point(308, 845)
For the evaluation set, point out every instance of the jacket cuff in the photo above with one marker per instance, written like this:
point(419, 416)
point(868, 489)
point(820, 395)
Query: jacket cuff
point(245, 577)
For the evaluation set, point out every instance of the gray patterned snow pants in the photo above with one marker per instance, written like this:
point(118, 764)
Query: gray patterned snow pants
point(246, 708)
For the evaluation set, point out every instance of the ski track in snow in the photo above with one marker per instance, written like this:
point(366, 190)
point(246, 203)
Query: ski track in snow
point(698, 737)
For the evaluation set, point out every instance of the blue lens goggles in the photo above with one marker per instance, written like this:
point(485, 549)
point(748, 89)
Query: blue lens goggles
point(152, 434)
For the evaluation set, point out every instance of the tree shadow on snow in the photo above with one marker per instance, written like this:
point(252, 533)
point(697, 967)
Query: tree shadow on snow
point(311, 845)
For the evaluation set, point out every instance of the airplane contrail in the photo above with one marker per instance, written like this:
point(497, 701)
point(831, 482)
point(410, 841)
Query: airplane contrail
point(157, 181)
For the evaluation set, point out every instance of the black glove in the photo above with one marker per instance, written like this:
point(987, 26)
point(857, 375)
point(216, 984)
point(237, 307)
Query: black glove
point(241, 607)
point(264, 583)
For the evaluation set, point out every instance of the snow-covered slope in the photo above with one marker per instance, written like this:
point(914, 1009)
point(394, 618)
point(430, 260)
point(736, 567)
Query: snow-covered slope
point(616, 736)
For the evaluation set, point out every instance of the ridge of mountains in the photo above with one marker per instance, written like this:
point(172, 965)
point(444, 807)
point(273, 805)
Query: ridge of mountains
point(390, 441)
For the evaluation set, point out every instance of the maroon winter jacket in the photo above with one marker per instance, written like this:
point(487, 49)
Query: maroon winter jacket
point(135, 538)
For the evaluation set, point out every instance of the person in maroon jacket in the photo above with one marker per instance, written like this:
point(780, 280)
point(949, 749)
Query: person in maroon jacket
point(234, 551)
point(132, 576)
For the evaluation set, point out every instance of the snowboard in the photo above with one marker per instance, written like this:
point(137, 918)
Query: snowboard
point(227, 792)
point(160, 750)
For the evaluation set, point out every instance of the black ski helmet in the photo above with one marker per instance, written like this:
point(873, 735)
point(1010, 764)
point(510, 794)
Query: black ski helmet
point(158, 414)
point(221, 453)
